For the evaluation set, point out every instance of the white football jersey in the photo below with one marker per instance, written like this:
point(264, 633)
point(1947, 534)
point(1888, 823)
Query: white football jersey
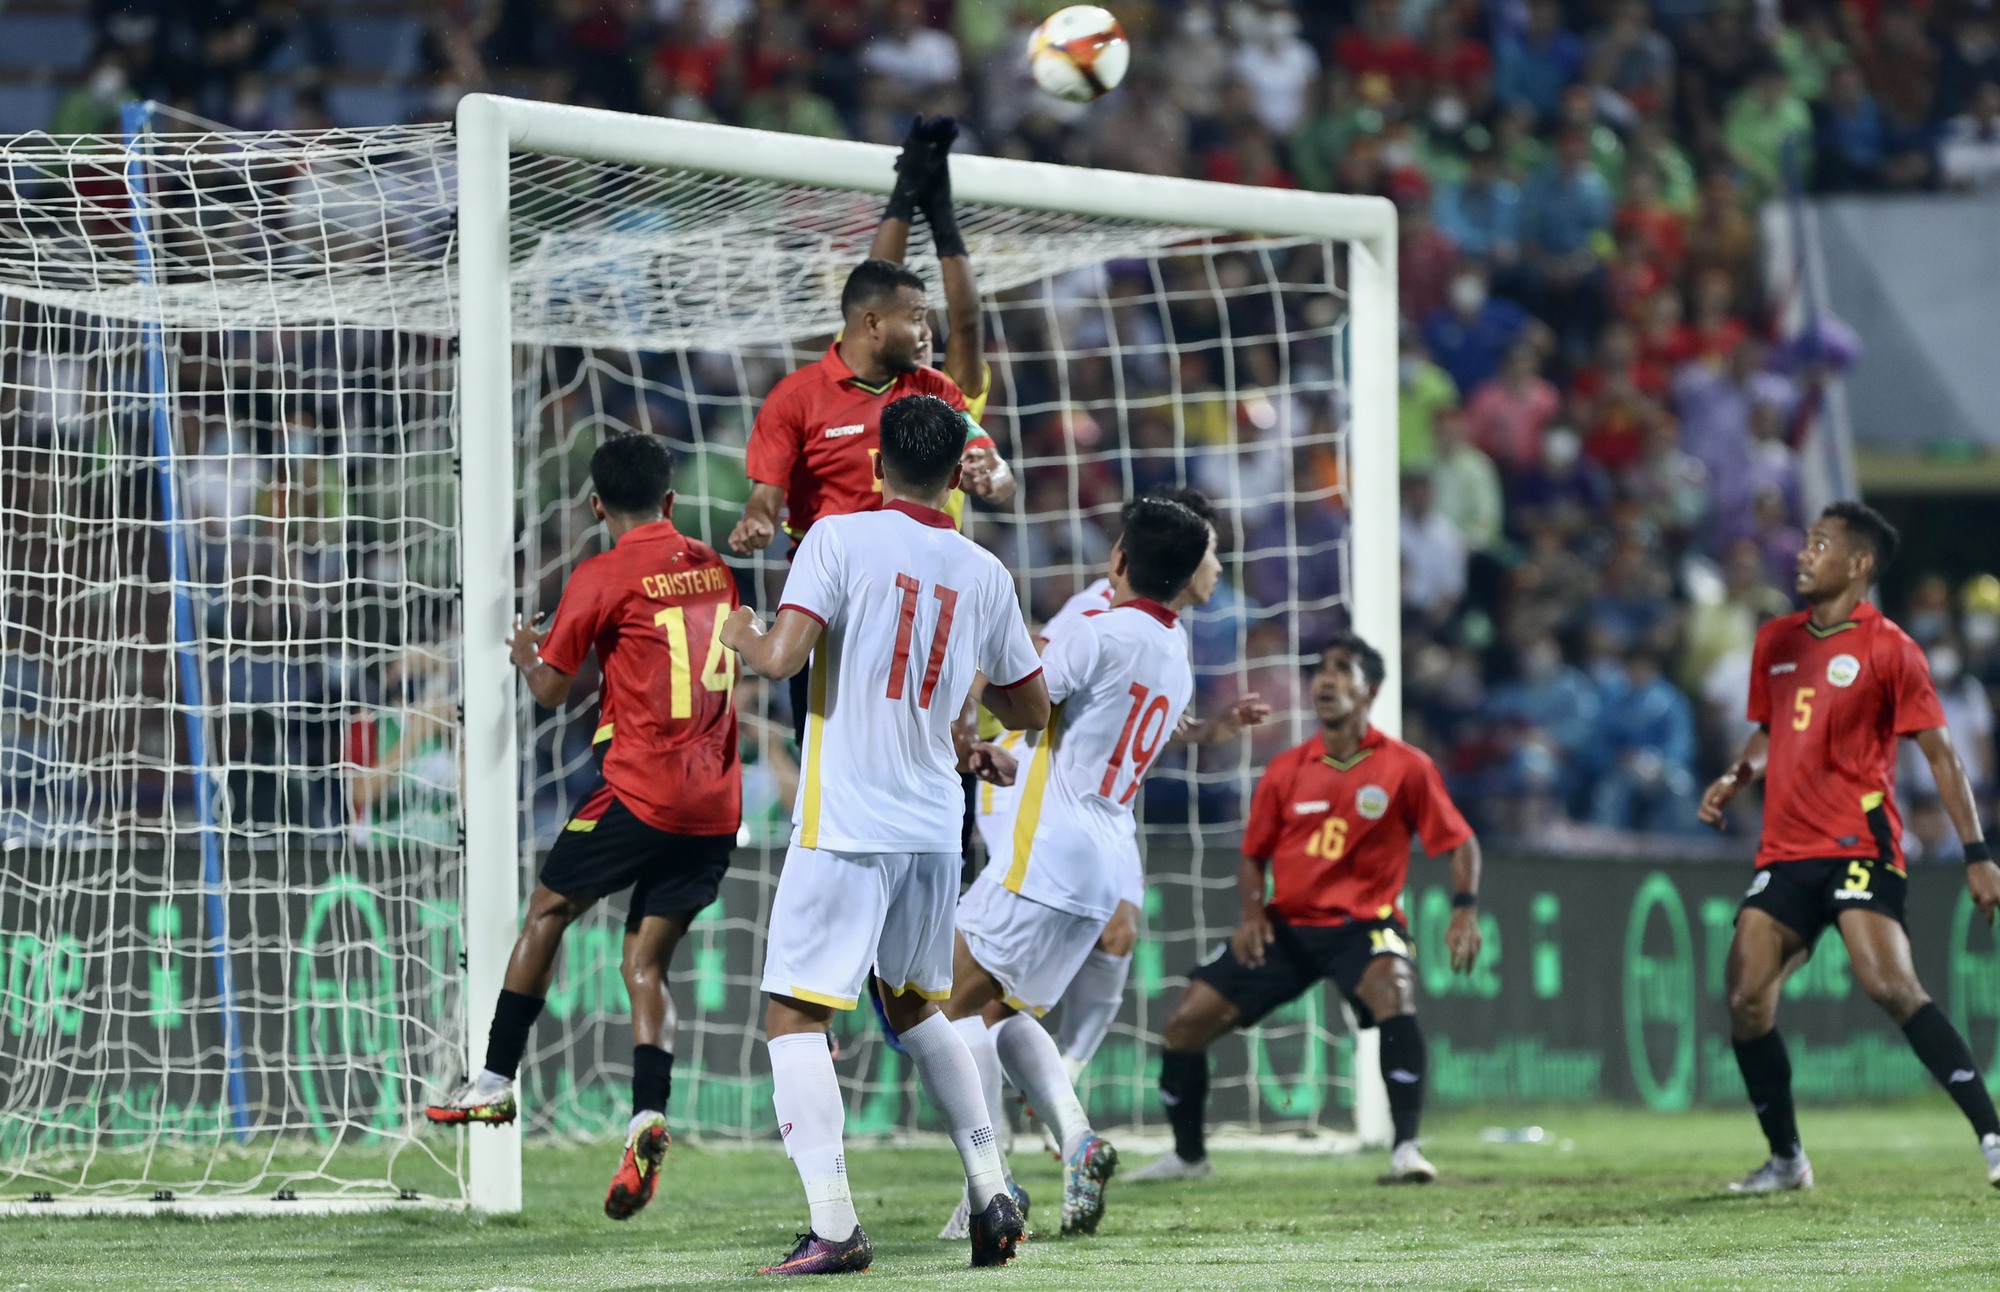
point(1120, 680)
point(912, 610)
point(1093, 598)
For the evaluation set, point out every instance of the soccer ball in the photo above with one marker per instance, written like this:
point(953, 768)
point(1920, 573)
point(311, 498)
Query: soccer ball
point(1079, 53)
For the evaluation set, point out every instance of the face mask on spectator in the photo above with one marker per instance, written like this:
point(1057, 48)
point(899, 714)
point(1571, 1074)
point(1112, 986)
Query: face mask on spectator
point(1448, 113)
point(1281, 26)
point(1406, 369)
point(1945, 665)
point(1541, 662)
point(1197, 21)
point(1560, 448)
point(1468, 293)
point(1982, 631)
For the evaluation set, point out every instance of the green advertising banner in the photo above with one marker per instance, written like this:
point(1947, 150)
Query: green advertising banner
point(1602, 979)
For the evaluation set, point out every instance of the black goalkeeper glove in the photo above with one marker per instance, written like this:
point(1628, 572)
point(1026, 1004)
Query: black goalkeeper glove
point(917, 167)
point(935, 200)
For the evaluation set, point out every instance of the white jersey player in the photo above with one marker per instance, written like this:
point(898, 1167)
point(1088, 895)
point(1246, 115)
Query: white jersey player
point(897, 611)
point(1120, 679)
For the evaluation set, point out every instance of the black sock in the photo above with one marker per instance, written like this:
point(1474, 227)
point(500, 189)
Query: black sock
point(1949, 1058)
point(513, 1015)
point(1184, 1091)
point(652, 1079)
point(1767, 1076)
point(1404, 1063)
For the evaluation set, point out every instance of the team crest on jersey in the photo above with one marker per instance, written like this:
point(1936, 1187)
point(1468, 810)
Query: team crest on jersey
point(1759, 884)
point(1371, 801)
point(1841, 670)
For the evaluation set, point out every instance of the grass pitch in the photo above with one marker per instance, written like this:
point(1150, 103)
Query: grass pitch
point(1614, 1199)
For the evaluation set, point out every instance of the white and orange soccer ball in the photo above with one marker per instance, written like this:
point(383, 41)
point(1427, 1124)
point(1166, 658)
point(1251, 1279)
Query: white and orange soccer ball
point(1079, 53)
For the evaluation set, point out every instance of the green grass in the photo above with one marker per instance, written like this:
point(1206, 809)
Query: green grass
point(1619, 1199)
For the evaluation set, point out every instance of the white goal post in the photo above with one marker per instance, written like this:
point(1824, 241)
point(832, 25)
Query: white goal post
point(491, 129)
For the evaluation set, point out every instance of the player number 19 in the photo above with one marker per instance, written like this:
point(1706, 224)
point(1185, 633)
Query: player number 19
point(1145, 731)
point(718, 672)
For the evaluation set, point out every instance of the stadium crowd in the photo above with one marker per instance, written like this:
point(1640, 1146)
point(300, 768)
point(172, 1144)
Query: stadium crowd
point(1601, 433)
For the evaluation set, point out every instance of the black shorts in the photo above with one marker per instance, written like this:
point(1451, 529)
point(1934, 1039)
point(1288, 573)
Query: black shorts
point(1808, 896)
point(1298, 957)
point(604, 849)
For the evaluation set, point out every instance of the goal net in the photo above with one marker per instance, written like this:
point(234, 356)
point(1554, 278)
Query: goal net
point(277, 473)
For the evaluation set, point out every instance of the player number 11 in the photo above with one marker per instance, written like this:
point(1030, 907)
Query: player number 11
point(906, 627)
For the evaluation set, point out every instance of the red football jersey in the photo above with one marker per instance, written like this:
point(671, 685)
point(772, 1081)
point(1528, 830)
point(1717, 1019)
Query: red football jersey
point(653, 608)
point(1338, 834)
point(818, 432)
point(1835, 701)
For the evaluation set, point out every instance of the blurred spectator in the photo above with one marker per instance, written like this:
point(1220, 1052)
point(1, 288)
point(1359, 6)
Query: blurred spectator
point(1968, 716)
point(1469, 338)
point(1901, 66)
point(1566, 218)
point(1465, 485)
point(1376, 46)
point(1509, 411)
point(1426, 257)
point(1971, 59)
point(1433, 555)
point(1559, 490)
point(1721, 52)
point(1200, 61)
point(1715, 407)
point(1279, 68)
point(1849, 143)
point(1534, 67)
point(1645, 744)
point(912, 55)
point(1553, 700)
point(1426, 391)
point(1482, 211)
point(1721, 236)
point(1768, 134)
point(1140, 128)
point(1809, 51)
point(1631, 65)
point(790, 105)
point(1969, 153)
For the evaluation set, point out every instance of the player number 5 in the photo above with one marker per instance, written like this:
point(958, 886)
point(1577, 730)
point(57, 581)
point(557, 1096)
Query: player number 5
point(718, 672)
point(1802, 708)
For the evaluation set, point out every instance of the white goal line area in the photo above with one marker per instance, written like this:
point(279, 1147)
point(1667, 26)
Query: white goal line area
point(351, 381)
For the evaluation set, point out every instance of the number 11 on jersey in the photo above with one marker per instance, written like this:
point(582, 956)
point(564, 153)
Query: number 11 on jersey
point(906, 627)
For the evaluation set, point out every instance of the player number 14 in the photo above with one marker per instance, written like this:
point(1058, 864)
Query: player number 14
point(718, 671)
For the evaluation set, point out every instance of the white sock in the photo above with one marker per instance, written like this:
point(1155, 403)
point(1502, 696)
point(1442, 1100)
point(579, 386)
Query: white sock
point(951, 1079)
point(1029, 1055)
point(811, 1119)
point(979, 1039)
point(640, 1119)
point(489, 1081)
point(1090, 1004)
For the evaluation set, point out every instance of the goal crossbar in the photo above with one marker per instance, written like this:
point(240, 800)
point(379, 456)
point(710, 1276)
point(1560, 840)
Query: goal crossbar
point(491, 129)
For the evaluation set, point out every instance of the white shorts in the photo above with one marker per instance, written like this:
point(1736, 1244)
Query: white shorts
point(837, 917)
point(1032, 949)
point(1134, 888)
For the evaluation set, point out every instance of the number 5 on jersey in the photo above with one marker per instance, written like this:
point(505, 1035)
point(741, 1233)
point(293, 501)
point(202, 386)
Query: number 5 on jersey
point(718, 671)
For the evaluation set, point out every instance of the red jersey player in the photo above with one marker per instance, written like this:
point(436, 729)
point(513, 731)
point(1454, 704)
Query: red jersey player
point(664, 817)
point(1832, 689)
point(1333, 820)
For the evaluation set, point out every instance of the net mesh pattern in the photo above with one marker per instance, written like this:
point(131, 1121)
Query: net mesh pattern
point(229, 711)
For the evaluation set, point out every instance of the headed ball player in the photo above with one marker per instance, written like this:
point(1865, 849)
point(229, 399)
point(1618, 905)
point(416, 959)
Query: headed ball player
point(897, 611)
point(1092, 999)
point(1120, 680)
point(1332, 820)
point(664, 818)
point(1832, 689)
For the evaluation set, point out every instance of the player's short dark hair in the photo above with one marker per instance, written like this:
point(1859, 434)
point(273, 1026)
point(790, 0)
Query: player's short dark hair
point(631, 473)
point(875, 283)
point(1193, 499)
point(1373, 670)
point(1868, 527)
point(922, 440)
point(1163, 543)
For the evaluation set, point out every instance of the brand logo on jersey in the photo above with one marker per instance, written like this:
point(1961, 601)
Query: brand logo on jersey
point(1783, 668)
point(1371, 801)
point(1852, 894)
point(1759, 884)
point(1311, 807)
point(1841, 670)
point(842, 432)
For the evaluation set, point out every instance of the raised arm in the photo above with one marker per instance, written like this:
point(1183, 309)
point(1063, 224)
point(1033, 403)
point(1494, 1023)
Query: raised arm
point(779, 653)
point(759, 525)
point(1955, 789)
